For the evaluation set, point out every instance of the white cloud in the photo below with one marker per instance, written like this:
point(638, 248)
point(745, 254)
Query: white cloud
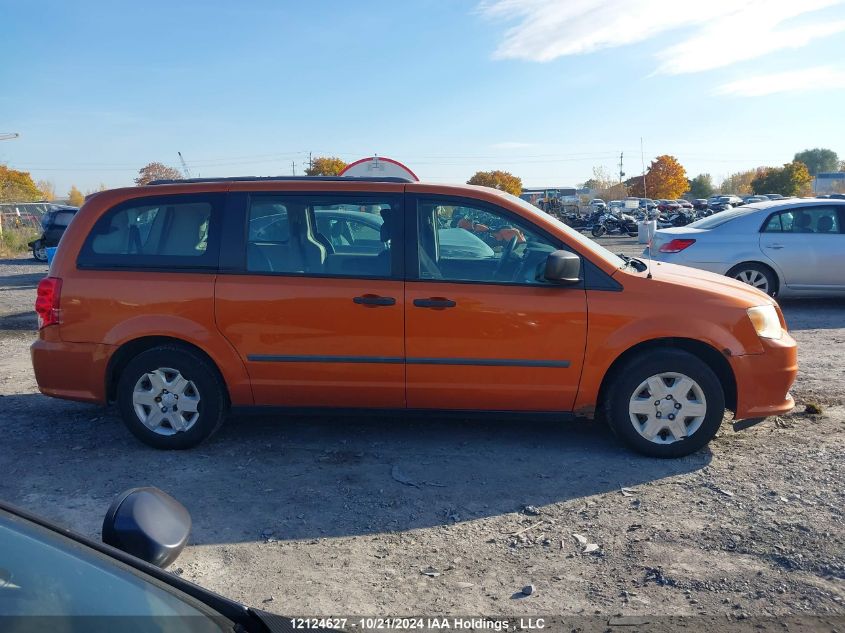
point(818, 78)
point(715, 33)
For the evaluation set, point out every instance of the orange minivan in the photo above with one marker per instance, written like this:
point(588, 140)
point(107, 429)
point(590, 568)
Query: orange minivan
point(184, 300)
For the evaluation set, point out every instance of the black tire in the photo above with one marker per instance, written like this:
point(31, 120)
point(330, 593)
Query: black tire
point(598, 230)
point(207, 385)
point(38, 252)
point(629, 377)
point(752, 270)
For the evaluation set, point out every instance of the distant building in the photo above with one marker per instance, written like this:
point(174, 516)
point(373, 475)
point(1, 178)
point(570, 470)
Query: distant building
point(829, 182)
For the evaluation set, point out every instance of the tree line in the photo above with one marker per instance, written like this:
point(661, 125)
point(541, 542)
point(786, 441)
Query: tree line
point(664, 178)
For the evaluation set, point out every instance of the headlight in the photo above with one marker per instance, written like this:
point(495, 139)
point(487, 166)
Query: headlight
point(765, 320)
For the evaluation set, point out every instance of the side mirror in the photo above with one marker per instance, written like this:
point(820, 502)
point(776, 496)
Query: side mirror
point(563, 267)
point(149, 524)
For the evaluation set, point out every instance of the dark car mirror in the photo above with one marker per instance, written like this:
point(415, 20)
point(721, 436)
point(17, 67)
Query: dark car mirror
point(149, 524)
point(563, 267)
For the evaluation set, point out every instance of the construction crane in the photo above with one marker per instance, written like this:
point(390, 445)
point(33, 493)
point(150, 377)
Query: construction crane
point(184, 166)
point(8, 136)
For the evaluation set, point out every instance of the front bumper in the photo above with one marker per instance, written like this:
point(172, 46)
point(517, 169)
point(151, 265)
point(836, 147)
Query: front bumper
point(763, 380)
point(72, 371)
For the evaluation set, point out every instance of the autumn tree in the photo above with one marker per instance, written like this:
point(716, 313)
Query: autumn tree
point(75, 197)
point(701, 186)
point(740, 182)
point(47, 189)
point(502, 180)
point(793, 179)
point(325, 166)
point(665, 178)
point(818, 160)
point(17, 186)
point(156, 171)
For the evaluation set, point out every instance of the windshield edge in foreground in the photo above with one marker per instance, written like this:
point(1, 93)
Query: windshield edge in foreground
point(585, 241)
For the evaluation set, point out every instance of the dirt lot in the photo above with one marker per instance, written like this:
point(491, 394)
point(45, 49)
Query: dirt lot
point(324, 516)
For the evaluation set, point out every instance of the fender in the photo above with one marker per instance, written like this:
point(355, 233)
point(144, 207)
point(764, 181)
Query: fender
point(220, 351)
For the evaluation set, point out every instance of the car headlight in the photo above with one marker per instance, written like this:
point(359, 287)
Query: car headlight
point(765, 320)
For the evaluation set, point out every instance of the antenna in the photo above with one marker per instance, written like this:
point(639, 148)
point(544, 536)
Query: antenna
point(642, 158)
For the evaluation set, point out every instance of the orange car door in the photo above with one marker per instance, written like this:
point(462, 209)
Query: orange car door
point(482, 331)
point(316, 325)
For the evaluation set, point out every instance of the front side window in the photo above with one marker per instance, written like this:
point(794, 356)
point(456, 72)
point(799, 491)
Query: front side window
point(824, 220)
point(305, 235)
point(468, 243)
point(170, 233)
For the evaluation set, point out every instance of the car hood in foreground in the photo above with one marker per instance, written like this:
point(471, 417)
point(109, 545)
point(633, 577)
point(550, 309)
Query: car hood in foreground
point(708, 282)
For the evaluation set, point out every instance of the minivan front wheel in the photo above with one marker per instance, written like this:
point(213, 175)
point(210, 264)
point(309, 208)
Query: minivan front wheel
point(665, 403)
point(171, 398)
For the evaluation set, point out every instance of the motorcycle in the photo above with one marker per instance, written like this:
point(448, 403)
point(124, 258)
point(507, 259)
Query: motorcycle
point(610, 224)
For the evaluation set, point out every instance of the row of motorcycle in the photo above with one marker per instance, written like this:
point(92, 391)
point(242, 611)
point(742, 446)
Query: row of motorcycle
point(624, 221)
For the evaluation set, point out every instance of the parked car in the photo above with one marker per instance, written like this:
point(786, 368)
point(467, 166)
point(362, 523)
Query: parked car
point(647, 204)
point(180, 303)
point(785, 249)
point(667, 206)
point(734, 201)
point(774, 196)
point(750, 199)
point(685, 204)
point(55, 579)
point(53, 225)
point(700, 204)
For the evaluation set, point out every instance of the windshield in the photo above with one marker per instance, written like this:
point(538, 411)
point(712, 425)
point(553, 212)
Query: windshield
point(718, 219)
point(585, 241)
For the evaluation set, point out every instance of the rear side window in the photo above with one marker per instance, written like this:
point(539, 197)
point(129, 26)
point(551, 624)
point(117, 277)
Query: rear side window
point(817, 219)
point(176, 232)
point(63, 218)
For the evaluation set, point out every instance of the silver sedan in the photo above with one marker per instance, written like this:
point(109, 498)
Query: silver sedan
point(785, 248)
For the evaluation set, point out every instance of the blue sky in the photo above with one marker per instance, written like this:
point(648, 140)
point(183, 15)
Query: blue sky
point(544, 89)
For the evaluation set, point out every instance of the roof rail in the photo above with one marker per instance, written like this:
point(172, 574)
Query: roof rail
point(283, 178)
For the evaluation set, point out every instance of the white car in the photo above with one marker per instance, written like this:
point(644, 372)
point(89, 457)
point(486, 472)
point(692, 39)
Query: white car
point(785, 248)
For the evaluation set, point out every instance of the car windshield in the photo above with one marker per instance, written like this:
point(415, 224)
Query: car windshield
point(590, 245)
point(718, 219)
point(43, 573)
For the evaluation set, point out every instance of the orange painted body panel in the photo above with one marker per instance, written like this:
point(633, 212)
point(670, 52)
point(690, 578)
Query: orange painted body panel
point(231, 317)
point(495, 323)
point(289, 316)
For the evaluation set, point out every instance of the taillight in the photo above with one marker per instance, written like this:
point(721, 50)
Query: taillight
point(47, 301)
point(676, 246)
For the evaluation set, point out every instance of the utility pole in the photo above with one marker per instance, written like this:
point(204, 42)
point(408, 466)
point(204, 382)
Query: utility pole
point(310, 162)
point(642, 158)
point(293, 167)
point(621, 173)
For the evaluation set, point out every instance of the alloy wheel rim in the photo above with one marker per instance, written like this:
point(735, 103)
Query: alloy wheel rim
point(667, 408)
point(166, 402)
point(754, 278)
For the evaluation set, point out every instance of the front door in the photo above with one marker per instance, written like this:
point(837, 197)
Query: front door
point(484, 330)
point(807, 245)
point(317, 326)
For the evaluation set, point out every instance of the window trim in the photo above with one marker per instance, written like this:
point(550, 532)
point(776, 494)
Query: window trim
point(236, 256)
point(86, 259)
point(411, 241)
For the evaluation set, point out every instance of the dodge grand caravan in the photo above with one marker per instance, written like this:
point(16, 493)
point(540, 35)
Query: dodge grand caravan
point(182, 301)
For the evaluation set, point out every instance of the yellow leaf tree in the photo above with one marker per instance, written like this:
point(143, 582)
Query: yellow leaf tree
point(48, 189)
point(666, 178)
point(502, 180)
point(17, 186)
point(156, 171)
point(326, 166)
point(793, 179)
point(75, 197)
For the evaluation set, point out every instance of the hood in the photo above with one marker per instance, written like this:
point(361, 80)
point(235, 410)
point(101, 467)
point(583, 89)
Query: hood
point(709, 282)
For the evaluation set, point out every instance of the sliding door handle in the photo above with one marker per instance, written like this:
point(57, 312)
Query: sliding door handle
point(434, 302)
point(374, 300)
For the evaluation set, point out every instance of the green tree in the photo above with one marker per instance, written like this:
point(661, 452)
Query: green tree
point(502, 180)
point(75, 197)
point(793, 179)
point(326, 166)
point(18, 186)
point(665, 178)
point(701, 186)
point(156, 171)
point(818, 160)
point(740, 182)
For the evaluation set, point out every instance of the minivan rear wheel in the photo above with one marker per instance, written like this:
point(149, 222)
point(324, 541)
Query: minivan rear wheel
point(665, 403)
point(171, 398)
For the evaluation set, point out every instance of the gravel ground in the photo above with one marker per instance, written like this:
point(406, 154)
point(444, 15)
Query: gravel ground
point(330, 515)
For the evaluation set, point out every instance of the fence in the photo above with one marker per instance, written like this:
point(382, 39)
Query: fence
point(18, 215)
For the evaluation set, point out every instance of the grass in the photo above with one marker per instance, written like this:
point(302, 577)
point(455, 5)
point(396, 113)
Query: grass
point(14, 241)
